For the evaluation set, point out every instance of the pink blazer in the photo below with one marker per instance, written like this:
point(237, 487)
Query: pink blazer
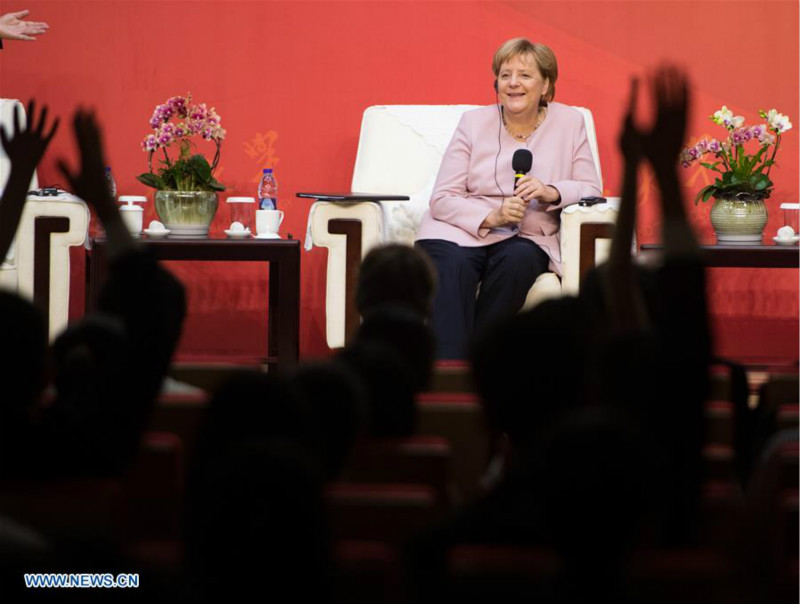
point(465, 190)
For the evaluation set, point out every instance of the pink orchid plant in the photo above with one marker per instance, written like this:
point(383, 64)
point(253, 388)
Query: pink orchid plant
point(176, 122)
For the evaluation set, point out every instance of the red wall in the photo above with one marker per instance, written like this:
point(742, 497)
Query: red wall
point(299, 74)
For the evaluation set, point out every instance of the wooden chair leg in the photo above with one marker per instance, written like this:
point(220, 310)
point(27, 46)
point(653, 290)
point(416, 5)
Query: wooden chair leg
point(351, 229)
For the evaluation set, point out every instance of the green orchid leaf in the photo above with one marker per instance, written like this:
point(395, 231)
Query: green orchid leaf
point(713, 166)
point(151, 180)
point(215, 185)
point(200, 167)
point(705, 193)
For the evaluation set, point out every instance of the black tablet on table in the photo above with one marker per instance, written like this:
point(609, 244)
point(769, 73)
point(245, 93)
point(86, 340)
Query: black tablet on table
point(353, 197)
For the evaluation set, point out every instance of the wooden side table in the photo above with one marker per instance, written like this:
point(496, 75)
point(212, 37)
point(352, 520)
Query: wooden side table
point(283, 256)
point(742, 256)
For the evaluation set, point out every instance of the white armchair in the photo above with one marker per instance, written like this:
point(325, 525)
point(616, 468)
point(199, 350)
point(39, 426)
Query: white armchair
point(399, 152)
point(37, 265)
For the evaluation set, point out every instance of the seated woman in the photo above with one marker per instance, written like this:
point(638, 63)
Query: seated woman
point(480, 229)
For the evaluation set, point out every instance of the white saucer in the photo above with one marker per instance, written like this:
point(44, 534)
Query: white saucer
point(238, 234)
point(789, 241)
point(156, 234)
point(267, 236)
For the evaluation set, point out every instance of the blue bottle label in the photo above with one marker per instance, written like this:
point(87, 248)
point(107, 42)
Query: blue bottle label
point(268, 203)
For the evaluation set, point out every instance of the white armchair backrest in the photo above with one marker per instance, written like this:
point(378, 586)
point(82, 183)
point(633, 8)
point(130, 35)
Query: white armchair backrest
point(401, 146)
point(591, 134)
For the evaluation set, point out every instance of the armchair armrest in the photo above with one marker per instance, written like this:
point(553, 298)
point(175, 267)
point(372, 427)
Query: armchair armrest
point(349, 230)
point(585, 241)
point(48, 228)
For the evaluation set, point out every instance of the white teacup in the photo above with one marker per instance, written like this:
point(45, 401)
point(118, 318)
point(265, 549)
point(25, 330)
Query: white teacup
point(132, 216)
point(268, 222)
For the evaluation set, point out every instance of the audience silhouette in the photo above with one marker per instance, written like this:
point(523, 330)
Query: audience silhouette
point(594, 406)
point(398, 275)
point(105, 370)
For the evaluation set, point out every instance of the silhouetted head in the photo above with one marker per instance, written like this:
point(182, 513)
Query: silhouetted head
point(255, 405)
point(595, 485)
point(337, 403)
point(387, 383)
point(258, 520)
point(396, 274)
point(88, 352)
point(406, 333)
point(248, 406)
point(528, 368)
point(23, 349)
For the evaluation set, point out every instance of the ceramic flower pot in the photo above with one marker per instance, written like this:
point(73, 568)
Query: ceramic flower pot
point(186, 213)
point(739, 219)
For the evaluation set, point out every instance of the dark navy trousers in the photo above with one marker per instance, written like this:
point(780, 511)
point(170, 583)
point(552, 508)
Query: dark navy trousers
point(505, 271)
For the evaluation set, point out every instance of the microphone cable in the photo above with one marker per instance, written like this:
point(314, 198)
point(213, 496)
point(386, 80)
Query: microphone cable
point(499, 142)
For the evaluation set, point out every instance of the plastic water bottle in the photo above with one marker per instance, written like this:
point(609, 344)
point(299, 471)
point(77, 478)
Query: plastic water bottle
point(268, 191)
point(112, 186)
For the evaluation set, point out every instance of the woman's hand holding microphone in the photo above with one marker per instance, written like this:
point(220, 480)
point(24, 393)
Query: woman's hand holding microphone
point(509, 213)
point(529, 187)
point(512, 211)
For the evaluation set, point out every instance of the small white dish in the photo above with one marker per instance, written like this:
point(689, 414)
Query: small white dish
point(238, 234)
point(268, 236)
point(156, 234)
point(787, 241)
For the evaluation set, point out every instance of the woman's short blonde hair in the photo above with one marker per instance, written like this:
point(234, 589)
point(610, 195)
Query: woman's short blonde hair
point(544, 57)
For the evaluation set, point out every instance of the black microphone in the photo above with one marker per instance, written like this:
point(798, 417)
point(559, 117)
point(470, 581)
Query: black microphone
point(521, 163)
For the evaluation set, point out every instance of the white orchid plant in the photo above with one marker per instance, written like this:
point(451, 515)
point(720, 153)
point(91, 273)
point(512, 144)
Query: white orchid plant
point(739, 172)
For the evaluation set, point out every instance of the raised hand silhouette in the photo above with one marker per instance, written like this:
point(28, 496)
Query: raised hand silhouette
point(89, 183)
point(630, 139)
point(24, 146)
point(670, 89)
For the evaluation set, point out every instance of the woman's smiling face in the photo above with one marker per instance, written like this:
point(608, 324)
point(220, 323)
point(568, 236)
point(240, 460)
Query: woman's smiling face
point(520, 85)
